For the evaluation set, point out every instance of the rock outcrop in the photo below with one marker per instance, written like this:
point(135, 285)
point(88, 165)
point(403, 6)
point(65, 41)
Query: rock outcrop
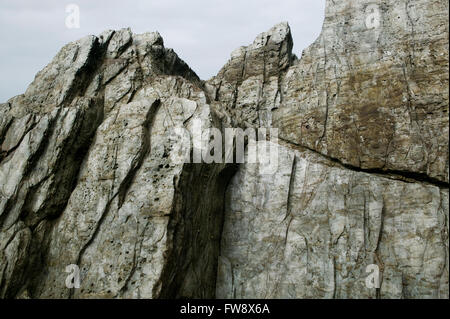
point(93, 170)
point(88, 176)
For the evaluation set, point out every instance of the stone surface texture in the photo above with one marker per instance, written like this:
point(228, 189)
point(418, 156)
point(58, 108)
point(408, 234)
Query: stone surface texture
point(91, 171)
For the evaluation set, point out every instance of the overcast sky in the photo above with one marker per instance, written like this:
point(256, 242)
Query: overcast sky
point(202, 32)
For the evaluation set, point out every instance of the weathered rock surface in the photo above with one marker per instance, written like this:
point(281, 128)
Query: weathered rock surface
point(372, 92)
point(367, 93)
point(311, 229)
point(376, 101)
point(90, 169)
point(88, 176)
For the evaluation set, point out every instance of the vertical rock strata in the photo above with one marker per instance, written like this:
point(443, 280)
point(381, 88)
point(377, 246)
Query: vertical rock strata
point(363, 165)
point(90, 169)
point(88, 176)
point(311, 229)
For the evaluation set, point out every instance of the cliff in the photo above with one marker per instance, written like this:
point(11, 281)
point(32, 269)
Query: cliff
point(92, 171)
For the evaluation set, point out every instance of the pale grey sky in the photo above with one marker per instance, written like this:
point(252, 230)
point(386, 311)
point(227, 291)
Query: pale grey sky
point(202, 32)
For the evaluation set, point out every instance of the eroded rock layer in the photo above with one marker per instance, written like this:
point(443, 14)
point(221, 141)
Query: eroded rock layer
point(91, 172)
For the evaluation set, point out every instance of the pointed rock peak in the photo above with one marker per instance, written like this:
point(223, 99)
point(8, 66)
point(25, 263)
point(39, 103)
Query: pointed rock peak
point(277, 34)
point(273, 39)
point(149, 38)
point(118, 42)
point(270, 53)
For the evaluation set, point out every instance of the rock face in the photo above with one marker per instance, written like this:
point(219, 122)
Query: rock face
point(363, 170)
point(311, 229)
point(91, 172)
point(88, 176)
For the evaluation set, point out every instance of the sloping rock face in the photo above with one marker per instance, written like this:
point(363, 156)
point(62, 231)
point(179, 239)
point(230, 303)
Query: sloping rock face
point(88, 176)
point(92, 173)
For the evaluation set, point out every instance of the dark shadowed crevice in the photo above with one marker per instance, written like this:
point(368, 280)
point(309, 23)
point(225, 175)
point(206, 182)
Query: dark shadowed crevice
point(405, 176)
point(196, 227)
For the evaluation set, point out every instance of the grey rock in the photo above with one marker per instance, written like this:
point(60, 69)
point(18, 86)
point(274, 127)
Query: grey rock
point(92, 173)
point(311, 229)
